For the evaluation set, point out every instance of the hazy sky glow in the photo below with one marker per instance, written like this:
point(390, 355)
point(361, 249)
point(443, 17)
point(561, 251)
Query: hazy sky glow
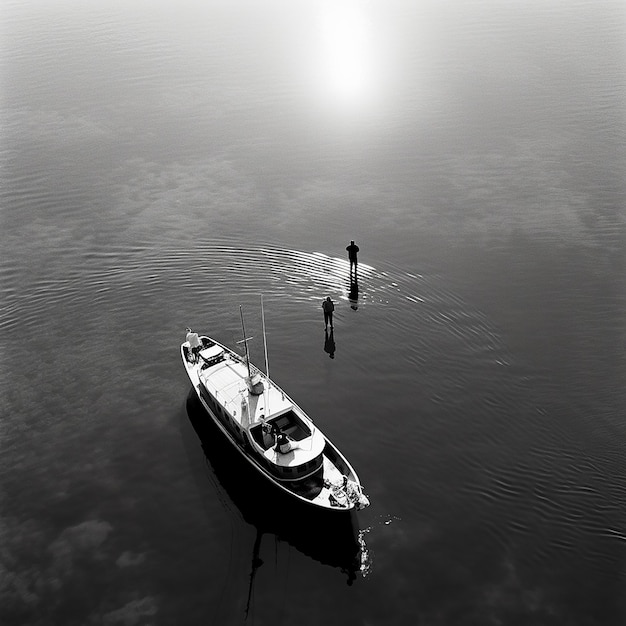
point(346, 66)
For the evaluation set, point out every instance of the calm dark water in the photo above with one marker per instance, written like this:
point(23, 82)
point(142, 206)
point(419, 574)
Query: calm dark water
point(163, 163)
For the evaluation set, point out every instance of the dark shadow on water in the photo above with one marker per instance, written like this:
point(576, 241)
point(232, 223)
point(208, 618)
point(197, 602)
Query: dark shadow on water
point(325, 536)
point(329, 343)
point(353, 292)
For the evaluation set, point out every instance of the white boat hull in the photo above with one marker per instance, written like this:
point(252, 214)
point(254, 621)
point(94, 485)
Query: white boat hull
point(312, 471)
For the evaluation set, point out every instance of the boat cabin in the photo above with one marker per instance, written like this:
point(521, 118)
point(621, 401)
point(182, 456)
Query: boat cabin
point(256, 420)
point(288, 423)
point(302, 454)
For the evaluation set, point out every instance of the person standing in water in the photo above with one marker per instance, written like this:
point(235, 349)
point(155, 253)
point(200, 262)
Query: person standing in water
point(352, 252)
point(328, 307)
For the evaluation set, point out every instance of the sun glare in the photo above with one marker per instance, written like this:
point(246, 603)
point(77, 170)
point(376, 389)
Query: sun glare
point(345, 63)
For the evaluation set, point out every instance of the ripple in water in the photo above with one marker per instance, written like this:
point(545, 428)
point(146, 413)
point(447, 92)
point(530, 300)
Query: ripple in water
point(422, 395)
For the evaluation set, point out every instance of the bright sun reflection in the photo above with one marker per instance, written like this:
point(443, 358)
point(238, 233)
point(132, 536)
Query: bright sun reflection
point(345, 61)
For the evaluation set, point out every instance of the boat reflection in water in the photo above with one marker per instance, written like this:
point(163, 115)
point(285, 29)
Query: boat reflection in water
point(329, 538)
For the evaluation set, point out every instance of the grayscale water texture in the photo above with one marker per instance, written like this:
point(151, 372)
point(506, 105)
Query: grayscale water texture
point(163, 162)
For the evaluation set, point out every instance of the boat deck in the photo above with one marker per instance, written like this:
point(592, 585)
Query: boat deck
point(302, 452)
point(226, 379)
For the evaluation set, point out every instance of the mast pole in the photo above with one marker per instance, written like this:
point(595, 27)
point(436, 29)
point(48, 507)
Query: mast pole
point(245, 340)
point(267, 364)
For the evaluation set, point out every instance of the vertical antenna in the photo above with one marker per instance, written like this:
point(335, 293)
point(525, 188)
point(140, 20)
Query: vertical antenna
point(245, 340)
point(267, 365)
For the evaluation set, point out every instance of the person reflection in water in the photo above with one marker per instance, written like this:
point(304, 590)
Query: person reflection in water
point(353, 294)
point(328, 307)
point(329, 343)
point(352, 252)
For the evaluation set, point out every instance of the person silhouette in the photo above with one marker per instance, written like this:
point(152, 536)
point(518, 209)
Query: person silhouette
point(328, 307)
point(329, 343)
point(352, 256)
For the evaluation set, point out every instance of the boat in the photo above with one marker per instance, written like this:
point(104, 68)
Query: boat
point(331, 539)
point(270, 431)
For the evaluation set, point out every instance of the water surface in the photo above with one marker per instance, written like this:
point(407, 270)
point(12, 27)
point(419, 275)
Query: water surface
point(164, 163)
